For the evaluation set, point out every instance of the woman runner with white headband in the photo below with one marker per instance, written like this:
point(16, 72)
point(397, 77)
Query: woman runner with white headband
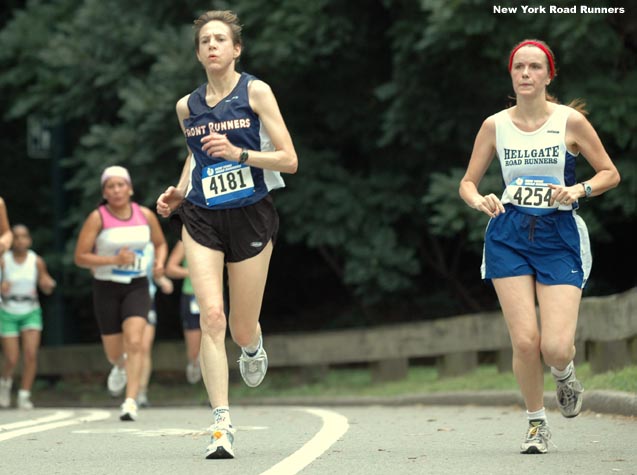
point(112, 243)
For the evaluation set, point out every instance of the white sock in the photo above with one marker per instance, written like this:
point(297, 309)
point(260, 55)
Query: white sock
point(221, 416)
point(253, 350)
point(536, 415)
point(24, 393)
point(121, 361)
point(564, 373)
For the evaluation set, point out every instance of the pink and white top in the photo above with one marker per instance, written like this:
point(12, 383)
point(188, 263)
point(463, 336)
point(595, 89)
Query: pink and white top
point(133, 233)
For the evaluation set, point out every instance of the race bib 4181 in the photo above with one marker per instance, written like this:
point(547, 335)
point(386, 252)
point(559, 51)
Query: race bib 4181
point(226, 181)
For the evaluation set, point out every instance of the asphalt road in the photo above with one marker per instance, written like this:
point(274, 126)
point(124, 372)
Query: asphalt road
point(335, 440)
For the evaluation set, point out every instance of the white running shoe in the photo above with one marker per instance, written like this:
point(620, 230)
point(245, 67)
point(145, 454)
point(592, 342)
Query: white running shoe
point(193, 373)
point(253, 368)
point(129, 410)
point(116, 381)
point(537, 438)
point(24, 400)
point(220, 446)
point(569, 395)
point(5, 392)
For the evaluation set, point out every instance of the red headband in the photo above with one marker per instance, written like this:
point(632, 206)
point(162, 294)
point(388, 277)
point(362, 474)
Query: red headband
point(537, 45)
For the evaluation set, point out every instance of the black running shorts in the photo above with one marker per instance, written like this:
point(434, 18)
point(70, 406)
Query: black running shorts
point(189, 312)
point(114, 302)
point(240, 233)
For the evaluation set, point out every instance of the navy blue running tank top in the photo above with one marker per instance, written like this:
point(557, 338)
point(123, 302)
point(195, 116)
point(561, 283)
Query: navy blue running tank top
point(216, 183)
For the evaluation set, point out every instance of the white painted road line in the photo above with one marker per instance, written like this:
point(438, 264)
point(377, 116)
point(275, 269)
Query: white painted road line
point(56, 416)
point(334, 426)
point(95, 415)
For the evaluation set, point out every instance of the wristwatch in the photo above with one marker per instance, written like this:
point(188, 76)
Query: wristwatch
point(243, 156)
point(588, 190)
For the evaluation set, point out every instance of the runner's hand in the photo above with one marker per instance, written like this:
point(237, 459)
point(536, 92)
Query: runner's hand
point(218, 145)
point(169, 201)
point(489, 205)
point(124, 257)
point(564, 195)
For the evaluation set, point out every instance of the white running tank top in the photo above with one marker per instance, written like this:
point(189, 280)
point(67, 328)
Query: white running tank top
point(530, 160)
point(23, 279)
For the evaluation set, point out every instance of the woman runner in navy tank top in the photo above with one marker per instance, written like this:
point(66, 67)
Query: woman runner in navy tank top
point(238, 144)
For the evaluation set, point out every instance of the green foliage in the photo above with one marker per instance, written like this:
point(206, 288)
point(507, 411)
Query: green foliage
point(383, 99)
point(356, 223)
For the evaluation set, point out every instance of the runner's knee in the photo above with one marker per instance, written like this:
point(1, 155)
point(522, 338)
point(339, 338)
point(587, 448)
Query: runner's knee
point(213, 319)
point(526, 345)
point(10, 360)
point(243, 335)
point(30, 356)
point(557, 353)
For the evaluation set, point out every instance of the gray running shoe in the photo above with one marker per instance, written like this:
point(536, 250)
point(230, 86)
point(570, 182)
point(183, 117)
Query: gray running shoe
point(220, 446)
point(116, 381)
point(193, 372)
point(537, 438)
point(253, 368)
point(569, 395)
point(142, 399)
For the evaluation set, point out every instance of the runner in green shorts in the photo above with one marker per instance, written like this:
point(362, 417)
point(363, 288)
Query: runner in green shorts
point(23, 271)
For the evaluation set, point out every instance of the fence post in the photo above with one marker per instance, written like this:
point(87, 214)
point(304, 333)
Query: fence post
point(504, 360)
point(607, 355)
point(632, 348)
point(393, 369)
point(457, 364)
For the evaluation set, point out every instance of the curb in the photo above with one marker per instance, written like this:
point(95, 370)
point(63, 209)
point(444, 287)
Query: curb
point(604, 402)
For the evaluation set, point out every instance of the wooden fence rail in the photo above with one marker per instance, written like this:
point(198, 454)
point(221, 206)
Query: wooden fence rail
point(606, 337)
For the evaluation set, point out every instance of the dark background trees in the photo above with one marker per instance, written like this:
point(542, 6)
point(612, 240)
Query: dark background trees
point(383, 99)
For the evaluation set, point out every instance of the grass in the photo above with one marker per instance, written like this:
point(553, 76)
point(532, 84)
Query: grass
point(358, 382)
point(171, 388)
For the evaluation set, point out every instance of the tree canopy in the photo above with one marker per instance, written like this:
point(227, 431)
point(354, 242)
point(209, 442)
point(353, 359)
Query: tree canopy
point(383, 99)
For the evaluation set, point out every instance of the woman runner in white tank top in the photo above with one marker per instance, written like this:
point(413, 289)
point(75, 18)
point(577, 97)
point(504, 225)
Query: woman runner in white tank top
point(536, 247)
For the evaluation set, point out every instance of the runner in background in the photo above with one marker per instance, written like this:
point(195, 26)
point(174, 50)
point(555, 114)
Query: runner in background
point(177, 268)
point(166, 286)
point(6, 237)
point(111, 243)
point(23, 271)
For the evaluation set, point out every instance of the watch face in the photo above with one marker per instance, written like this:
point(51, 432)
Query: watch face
point(587, 189)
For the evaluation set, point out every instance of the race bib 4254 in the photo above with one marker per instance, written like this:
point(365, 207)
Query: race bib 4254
point(532, 195)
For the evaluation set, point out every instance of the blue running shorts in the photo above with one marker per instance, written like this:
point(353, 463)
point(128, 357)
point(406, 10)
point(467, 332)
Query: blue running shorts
point(555, 248)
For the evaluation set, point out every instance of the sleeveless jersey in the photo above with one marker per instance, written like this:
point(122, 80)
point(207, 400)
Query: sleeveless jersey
point(23, 279)
point(531, 160)
point(216, 183)
point(133, 233)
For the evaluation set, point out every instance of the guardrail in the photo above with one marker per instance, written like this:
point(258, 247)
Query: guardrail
point(606, 337)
